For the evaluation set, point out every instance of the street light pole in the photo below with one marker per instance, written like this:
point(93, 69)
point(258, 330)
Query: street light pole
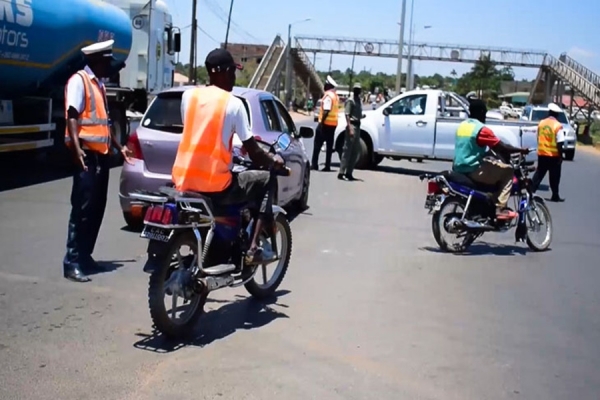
point(409, 80)
point(400, 47)
point(288, 64)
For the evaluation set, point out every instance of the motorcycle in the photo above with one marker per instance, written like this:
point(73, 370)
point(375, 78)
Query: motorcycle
point(472, 211)
point(216, 238)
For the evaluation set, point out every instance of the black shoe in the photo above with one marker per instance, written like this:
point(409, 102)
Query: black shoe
point(314, 167)
point(342, 177)
point(350, 178)
point(556, 199)
point(326, 169)
point(76, 275)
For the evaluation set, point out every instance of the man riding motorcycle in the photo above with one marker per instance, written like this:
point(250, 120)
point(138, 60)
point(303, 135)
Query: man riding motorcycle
point(211, 115)
point(471, 156)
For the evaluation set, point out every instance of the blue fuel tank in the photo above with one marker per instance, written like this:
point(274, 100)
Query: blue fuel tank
point(40, 40)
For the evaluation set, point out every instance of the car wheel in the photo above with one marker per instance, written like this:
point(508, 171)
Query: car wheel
point(569, 155)
point(302, 202)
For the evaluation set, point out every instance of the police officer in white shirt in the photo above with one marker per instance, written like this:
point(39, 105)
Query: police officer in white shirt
point(90, 179)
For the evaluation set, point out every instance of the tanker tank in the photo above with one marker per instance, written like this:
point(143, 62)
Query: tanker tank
point(40, 41)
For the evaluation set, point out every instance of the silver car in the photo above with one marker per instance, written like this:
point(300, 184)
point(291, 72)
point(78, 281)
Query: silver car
point(157, 138)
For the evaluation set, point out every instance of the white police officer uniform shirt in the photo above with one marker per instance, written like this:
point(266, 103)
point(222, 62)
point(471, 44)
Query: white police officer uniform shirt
point(76, 90)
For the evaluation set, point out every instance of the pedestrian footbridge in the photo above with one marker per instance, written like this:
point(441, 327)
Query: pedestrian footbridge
point(268, 73)
point(557, 73)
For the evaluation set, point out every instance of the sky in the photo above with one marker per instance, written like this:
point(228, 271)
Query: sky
point(518, 24)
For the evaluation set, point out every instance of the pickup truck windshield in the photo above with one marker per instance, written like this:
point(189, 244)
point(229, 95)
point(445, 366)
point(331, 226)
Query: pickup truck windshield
point(164, 114)
point(538, 115)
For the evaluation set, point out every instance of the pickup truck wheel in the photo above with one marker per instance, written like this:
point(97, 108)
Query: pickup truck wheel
point(377, 159)
point(569, 155)
point(363, 161)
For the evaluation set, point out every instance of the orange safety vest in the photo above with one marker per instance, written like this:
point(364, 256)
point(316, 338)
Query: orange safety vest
point(547, 130)
point(332, 117)
point(203, 160)
point(93, 132)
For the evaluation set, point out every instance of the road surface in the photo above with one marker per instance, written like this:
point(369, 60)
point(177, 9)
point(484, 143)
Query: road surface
point(369, 309)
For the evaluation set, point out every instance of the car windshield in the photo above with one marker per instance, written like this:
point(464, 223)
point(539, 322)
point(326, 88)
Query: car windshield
point(164, 114)
point(538, 115)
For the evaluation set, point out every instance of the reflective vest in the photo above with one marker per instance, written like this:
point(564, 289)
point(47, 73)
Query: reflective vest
point(332, 117)
point(93, 129)
point(547, 130)
point(467, 153)
point(203, 161)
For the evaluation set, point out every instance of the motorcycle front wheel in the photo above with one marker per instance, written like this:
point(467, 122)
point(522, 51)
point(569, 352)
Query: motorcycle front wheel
point(261, 286)
point(441, 225)
point(538, 219)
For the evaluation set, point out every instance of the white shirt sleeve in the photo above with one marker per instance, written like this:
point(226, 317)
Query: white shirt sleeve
point(184, 102)
point(560, 136)
point(327, 103)
point(236, 120)
point(76, 93)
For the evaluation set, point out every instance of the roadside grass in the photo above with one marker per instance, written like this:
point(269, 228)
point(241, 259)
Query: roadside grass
point(594, 138)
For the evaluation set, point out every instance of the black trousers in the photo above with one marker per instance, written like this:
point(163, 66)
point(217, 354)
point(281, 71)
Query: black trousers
point(323, 135)
point(552, 165)
point(88, 203)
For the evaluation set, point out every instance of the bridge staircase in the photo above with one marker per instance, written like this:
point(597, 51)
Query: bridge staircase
point(270, 67)
point(306, 73)
point(569, 72)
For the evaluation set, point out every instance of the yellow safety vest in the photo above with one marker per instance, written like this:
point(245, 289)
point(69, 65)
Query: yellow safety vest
point(332, 117)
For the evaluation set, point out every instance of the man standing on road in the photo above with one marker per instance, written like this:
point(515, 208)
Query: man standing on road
point(88, 135)
point(551, 137)
point(353, 111)
point(328, 119)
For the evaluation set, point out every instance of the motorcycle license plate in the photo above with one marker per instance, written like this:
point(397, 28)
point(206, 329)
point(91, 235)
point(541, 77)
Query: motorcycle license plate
point(156, 233)
point(432, 202)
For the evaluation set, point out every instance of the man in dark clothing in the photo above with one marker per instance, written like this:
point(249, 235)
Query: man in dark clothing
point(353, 111)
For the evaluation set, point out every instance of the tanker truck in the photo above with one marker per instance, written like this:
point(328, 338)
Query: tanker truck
point(40, 42)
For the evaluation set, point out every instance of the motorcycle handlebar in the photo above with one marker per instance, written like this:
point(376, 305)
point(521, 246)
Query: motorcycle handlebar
point(284, 171)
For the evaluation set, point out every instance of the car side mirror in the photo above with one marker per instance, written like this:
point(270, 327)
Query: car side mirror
point(387, 111)
point(177, 42)
point(306, 132)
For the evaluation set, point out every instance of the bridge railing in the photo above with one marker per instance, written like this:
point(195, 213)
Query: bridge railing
point(265, 62)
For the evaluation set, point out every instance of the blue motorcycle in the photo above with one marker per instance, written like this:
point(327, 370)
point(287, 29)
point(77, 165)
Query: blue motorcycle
point(464, 209)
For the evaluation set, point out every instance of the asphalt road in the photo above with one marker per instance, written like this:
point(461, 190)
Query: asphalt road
point(369, 309)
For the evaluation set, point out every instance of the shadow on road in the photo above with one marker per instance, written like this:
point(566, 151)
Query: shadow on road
point(483, 249)
point(242, 313)
point(109, 266)
point(26, 170)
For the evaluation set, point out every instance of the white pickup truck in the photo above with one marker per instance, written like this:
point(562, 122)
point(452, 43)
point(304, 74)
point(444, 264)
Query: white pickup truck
point(421, 124)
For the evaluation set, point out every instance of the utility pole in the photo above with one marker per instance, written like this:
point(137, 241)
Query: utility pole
point(400, 47)
point(228, 23)
point(194, 35)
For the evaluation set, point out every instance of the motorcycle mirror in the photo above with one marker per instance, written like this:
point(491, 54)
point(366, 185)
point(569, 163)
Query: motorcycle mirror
point(284, 141)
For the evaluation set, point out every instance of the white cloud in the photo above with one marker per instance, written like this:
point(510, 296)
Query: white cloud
point(578, 52)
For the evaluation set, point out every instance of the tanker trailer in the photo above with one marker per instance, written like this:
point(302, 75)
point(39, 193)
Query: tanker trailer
point(40, 44)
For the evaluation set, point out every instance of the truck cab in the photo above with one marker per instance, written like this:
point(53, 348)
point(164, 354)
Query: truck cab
point(421, 124)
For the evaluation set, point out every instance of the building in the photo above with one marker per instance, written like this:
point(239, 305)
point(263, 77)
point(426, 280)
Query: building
point(246, 53)
point(180, 79)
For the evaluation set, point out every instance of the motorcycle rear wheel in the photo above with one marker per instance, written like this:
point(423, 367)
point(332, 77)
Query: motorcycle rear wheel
point(437, 225)
point(156, 291)
point(540, 211)
point(268, 288)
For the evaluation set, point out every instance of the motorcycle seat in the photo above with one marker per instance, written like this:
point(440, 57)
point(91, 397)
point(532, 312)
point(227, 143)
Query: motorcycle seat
point(464, 180)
